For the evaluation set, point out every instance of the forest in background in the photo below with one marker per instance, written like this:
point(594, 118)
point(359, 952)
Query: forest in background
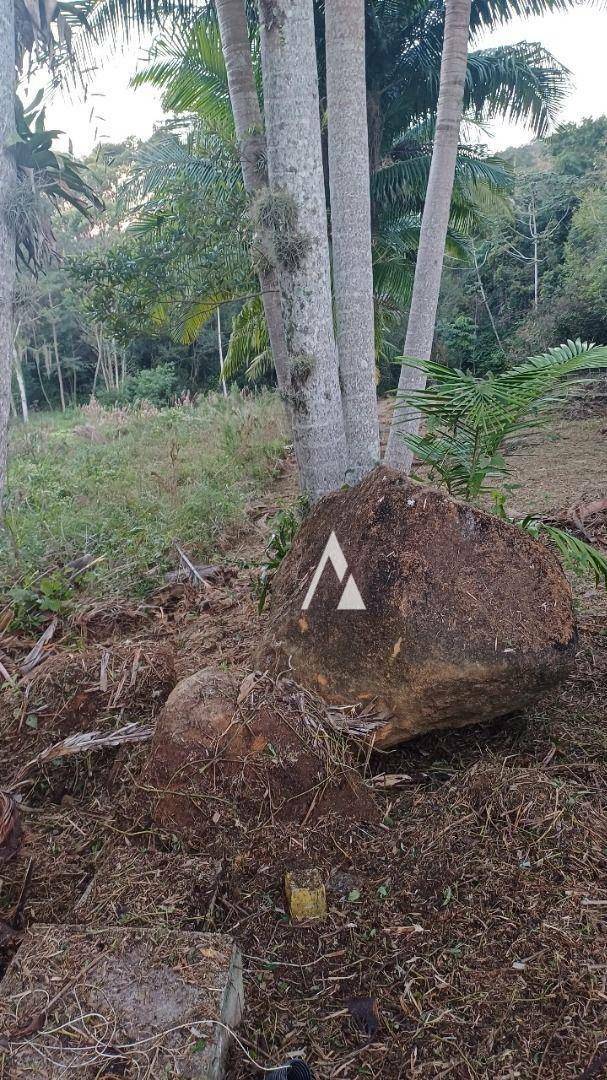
point(538, 272)
point(531, 273)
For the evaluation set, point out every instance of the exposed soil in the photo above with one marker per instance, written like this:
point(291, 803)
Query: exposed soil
point(472, 912)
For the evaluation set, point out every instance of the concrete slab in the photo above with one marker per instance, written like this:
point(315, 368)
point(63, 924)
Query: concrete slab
point(119, 1002)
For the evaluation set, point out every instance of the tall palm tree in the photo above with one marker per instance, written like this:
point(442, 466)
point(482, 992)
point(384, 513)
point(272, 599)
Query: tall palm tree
point(348, 152)
point(435, 222)
point(248, 123)
point(294, 215)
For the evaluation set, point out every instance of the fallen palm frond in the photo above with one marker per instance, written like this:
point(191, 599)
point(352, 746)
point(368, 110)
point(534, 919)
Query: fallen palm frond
point(34, 656)
point(385, 781)
point(580, 517)
point(82, 744)
point(193, 572)
point(10, 826)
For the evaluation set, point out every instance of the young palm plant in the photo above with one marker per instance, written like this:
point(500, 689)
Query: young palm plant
point(470, 421)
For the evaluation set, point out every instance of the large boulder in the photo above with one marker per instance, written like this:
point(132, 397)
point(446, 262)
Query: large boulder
point(444, 615)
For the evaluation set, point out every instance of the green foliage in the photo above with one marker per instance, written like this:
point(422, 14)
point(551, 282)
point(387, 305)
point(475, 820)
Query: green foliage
point(182, 474)
point(559, 195)
point(185, 281)
point(469, 418)
point(44, 176)
point(284, 529)
point(188, 65)
point(249, 349)
point(38, 598)
point(155, 385)
point(469, 421)
point(576, 554)
point(576, 149)
point(459, 338)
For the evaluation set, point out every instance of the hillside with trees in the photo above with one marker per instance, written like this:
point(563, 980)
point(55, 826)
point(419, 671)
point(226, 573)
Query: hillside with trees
point(537, 273)
point(303, 550)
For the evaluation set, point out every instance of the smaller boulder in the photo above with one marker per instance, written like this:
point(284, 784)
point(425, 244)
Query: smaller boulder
point(226, 753)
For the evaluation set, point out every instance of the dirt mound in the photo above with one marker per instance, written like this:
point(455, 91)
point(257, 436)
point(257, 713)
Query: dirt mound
point(248, 753)
point(464, 617)
point(76, 691)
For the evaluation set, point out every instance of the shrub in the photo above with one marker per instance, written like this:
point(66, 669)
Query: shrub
point(157, 385)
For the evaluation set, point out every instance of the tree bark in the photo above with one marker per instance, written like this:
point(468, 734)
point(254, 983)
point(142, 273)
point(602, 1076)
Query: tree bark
point(25, 415)
point(435, 222)
point(297, 208)
point(7, 230)
point(220, 349)
point(249, 132)
point(348, 143)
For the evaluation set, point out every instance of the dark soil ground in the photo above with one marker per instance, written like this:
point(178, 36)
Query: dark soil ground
point(466, 934)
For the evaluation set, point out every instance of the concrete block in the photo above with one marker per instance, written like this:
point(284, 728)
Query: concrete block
point(119, 1002)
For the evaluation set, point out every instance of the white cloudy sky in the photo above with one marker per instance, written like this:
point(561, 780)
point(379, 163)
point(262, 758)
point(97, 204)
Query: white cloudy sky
point(113, 110)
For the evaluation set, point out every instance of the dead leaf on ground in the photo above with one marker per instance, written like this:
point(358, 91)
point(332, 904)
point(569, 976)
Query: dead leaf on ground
point(247, 685)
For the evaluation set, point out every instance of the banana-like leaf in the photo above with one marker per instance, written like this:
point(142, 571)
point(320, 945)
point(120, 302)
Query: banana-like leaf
point(44, 176)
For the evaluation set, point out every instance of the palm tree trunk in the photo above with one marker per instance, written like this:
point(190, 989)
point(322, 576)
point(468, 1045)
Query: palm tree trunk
point(435, 222)
point(7, 230)
point(297, 210)
point(348, 143)
point(249, 131)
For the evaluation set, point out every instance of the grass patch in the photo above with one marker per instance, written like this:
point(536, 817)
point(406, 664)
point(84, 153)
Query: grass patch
point(124, 484)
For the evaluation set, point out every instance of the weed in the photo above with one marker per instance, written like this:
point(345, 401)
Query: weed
point(285, 526)
point(33, 601)
point(177, 473)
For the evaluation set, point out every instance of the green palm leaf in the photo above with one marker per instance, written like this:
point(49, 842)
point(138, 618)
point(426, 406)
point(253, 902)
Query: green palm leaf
point(189, 66)
point(521, 83)
point(469, 419)
point(576, 554)
point(249, 348)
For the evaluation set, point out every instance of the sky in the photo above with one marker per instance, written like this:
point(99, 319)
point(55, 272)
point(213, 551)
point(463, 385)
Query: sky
point(113, 110)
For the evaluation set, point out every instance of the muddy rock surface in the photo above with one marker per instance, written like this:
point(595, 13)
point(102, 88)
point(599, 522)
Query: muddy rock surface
point(444, 615)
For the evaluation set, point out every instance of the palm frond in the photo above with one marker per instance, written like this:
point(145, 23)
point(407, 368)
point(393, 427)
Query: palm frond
point(469, 419)
point(521, 83)
point(493, 12)
point(249, 347)
point(189, 66)
point(165, 165)
point(479, 182)
point(497, 403)
point(582, 558)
